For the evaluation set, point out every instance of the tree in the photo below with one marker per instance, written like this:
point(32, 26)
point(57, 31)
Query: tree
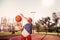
point(55, 19)
point(37, 27)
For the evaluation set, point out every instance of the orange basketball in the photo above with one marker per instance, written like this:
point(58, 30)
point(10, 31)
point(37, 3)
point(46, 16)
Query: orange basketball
point(18, 18)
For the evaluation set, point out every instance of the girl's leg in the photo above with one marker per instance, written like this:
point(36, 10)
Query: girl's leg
point(22, 38)
point(28, 37)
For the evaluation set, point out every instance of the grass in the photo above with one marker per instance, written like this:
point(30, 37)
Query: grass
point(8, 33)
point(49, 33)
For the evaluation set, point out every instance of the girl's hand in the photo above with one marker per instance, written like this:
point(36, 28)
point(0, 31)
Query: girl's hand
point(21, 15)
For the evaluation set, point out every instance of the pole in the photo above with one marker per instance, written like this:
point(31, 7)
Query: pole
point(33, 21)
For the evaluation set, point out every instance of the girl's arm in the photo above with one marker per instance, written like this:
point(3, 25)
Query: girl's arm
point(23, 16)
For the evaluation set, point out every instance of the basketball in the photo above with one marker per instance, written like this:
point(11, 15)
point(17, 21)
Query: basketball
point(18, 18)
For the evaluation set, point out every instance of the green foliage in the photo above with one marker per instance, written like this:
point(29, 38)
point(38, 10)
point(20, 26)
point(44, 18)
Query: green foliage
point(52, 29)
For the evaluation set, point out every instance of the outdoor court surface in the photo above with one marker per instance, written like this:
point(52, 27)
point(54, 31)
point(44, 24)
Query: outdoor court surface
point(44, 37)
point(35, 37)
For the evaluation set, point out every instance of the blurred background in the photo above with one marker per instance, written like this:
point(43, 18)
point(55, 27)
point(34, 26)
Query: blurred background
point(36, 9)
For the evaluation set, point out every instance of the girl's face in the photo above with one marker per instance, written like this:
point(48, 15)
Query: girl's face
point(29, 20)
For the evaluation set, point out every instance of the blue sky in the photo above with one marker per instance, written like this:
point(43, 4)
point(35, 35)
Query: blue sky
point(11, 8)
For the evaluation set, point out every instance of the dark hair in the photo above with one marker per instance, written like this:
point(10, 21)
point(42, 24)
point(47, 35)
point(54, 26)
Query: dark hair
point(29, 19)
